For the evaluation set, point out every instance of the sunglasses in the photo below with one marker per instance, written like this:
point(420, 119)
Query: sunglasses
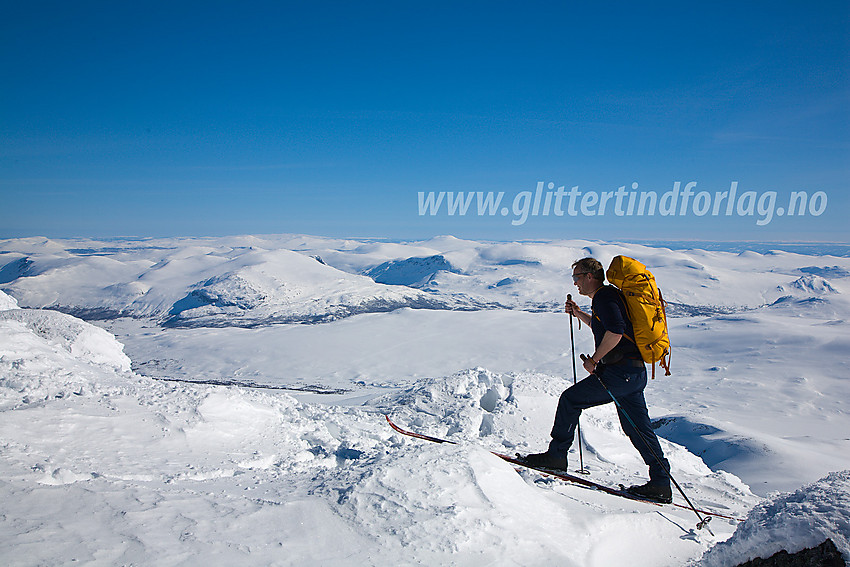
point(578, 275)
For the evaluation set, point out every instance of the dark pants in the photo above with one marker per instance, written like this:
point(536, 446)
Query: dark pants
point(626, 383)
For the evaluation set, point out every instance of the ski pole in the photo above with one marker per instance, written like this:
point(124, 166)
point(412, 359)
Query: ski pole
point(703, 522)
point(581, 470)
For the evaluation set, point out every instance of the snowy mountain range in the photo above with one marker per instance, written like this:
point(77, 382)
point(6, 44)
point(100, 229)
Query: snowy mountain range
point(252, 281)
point(121, 450)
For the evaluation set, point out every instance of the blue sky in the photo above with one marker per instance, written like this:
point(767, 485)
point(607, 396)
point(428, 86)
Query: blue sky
point(329, 118)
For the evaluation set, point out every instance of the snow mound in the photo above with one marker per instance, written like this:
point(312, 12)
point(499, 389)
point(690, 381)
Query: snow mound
point(792, 522)
point(82, 340)
point(510, 413)
point(412, 272)
point(451, 505)
point(281, 286)
point(461, 404)
point(48, 355)
point(7, 302)
point(809, 284)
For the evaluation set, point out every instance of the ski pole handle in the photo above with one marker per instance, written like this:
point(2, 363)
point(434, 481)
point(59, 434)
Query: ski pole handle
point(585, 358)
point(569, 299)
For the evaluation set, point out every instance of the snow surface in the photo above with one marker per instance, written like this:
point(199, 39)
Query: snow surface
point(104, 464)
point(7, 302)
point(792, 522)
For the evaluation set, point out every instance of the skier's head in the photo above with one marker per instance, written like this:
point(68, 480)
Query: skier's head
point(588, 275)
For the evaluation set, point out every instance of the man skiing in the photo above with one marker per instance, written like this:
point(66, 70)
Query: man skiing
point(616, 372)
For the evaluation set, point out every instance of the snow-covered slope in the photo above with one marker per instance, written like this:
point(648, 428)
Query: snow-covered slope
point(7, 302)
point(103, 465)
point(46, 355)
point(251, 281)
point(195, 283)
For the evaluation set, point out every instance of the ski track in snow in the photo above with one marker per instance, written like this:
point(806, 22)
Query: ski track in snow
point(103, 465)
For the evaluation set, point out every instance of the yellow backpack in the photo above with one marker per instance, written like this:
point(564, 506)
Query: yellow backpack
point(646, 309)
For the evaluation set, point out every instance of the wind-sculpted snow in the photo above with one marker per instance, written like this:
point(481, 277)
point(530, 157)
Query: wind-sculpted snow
point(461, 405)
point(101, 465)
point(82, 340)
point(791, 522)
point(7, 302)
point(45, 354)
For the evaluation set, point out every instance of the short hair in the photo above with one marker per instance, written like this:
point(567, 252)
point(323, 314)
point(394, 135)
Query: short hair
point(591, 266)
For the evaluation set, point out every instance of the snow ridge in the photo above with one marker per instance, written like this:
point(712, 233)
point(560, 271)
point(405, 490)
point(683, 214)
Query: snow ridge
point(792, 522)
